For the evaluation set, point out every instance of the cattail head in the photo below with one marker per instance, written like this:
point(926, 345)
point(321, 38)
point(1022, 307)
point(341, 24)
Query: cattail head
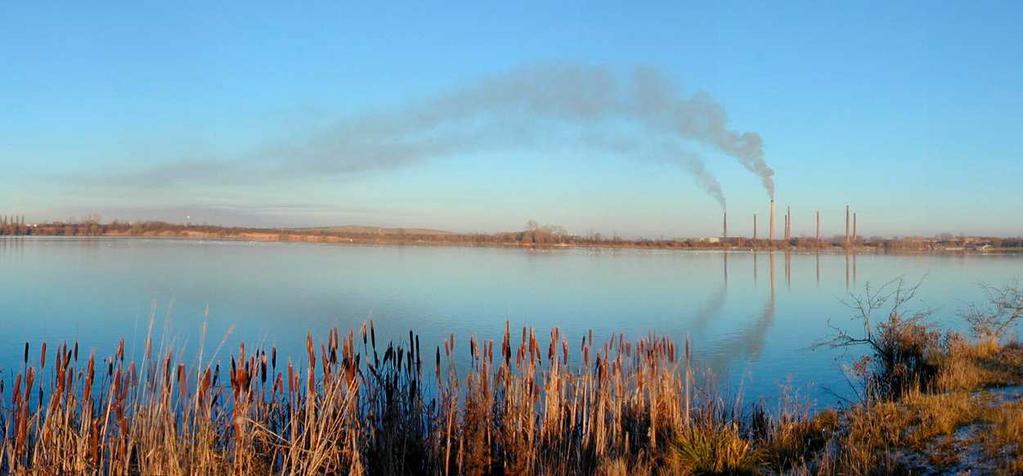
point(310, 350)
point(262, 369)
point(182, 382)
point(16, 396)
point(437, 367)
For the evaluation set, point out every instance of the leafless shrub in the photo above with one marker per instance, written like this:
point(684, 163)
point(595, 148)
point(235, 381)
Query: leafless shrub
point(900, 345)
point(1003, 310)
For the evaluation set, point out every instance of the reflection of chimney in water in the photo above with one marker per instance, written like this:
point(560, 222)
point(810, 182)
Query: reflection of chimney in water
point(788, 270)
point(726, 267)
point(754, 268)
point(771, 255)
point(854, 268)
point(818, 256)
point(847, 271)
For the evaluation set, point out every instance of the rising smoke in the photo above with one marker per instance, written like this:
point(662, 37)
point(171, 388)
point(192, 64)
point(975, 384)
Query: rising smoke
point(521, 108)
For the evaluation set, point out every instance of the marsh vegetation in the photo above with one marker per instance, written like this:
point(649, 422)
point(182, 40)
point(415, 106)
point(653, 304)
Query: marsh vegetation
point(929, 400)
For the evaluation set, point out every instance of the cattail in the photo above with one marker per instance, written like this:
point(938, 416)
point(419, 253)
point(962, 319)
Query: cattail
point(291, 378)
point(17, 390)
point(310, 351)
point(26, 353)
point(262, 369)
point(29, 379)
point(204, 384)
point(419, 355)
point(89, 375)
point(437, 368)
point(42, 356)
point(182, 382)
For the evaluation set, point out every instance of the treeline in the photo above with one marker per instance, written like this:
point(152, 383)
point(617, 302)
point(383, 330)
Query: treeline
point(534, 235)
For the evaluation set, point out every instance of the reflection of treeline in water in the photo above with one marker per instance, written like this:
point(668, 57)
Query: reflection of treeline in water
point(532, 235)
point(524, 405)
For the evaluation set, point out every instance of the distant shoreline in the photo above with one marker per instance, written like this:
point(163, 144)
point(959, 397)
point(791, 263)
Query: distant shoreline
point(528, 239)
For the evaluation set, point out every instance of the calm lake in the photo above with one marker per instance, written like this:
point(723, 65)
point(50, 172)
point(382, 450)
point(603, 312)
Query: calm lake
point(751, 317)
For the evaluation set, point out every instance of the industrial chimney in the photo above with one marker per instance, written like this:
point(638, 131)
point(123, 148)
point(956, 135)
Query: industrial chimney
point(771, 223)
point(847, 224)
point(818, 227)
point(855, 237)
point(788, 223)
point(724, 225)
point(754, 226)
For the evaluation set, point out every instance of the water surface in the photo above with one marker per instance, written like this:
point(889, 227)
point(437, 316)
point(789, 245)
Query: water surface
point(752, 318)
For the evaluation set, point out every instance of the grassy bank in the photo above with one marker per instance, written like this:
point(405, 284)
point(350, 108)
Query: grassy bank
point(931, 400)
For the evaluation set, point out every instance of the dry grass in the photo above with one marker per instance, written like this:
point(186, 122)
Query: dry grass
point(349, 407)
point(522, 406)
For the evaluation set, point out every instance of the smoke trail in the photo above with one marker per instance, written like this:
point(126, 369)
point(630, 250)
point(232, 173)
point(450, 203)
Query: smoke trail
point(699, 118)
point(574, 95)
point(512, 110)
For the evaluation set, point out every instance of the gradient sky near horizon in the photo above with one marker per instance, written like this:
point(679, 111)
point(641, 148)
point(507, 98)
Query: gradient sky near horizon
point(911, 112)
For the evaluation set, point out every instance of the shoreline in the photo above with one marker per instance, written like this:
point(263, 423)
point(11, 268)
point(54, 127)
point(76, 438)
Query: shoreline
point(265, 237)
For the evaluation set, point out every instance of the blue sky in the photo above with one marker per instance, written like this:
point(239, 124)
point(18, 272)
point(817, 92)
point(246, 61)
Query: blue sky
point(910, 112)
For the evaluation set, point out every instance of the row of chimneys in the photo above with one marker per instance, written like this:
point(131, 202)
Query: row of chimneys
point(788, 225)
point(12, 220)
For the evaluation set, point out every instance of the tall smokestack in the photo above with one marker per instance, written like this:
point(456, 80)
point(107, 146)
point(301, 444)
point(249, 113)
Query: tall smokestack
point(818, 226)
point(854, 235)
point(847, 223)
point(724, 225)
point(788, 223)
point(754, 226)
point(771, 224)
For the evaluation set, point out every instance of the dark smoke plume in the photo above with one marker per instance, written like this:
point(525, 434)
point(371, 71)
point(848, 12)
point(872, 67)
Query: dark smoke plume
point(520, 108)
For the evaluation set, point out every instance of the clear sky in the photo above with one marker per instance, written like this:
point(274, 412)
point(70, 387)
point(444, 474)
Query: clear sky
point(912, 112)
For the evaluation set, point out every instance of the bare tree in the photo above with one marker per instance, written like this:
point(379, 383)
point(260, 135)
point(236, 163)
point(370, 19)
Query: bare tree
point(1003, 310)
point(899, 344)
